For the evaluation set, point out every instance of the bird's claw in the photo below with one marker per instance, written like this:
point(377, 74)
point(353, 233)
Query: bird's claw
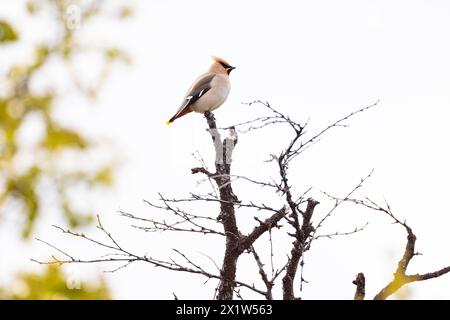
point(209, 115)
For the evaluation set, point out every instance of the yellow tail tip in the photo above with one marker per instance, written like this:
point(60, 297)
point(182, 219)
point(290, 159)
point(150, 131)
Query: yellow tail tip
point(168, 122)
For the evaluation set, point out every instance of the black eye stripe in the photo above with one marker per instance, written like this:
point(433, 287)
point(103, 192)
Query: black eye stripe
point(226, 66)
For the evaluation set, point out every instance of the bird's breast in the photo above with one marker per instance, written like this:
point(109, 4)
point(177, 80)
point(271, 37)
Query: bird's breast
point(215, 97)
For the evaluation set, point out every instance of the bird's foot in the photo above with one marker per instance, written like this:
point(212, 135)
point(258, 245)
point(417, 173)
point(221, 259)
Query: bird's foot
point(209, 115)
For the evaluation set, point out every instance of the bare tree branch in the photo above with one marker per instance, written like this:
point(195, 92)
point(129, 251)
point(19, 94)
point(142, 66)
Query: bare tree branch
point(265, 279)
point(295, 218)
point(297, 251)
point(268, 224)
point(400, 276)
point(338, 202)
point(129, 258)
point(360, 283)
point(339, 234)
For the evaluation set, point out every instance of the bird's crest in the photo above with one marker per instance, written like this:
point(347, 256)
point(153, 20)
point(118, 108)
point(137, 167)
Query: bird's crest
point(223, 62)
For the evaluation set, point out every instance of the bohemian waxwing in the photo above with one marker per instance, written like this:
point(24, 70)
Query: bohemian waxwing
point(208, 92)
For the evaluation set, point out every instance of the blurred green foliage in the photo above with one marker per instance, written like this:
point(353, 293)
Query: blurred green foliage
point(7, 33)
point(20, 106)
point(20, 185)
point(53, 284)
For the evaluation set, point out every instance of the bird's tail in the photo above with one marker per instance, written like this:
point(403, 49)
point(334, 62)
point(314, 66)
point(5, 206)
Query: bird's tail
point(183, 111)
point(172, 119)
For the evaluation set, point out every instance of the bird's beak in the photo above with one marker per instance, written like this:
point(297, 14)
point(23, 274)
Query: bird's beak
point(229, 69)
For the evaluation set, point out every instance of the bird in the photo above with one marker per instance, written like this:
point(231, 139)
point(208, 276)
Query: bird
point(208, 92)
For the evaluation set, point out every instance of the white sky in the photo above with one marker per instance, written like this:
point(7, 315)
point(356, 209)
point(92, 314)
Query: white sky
point(321, 59)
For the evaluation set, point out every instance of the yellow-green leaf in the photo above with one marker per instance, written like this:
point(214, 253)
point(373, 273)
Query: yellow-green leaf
point(116, 54)
point(53, 284)
point(125, 12)
point(7, 33)
point(23, 188)
point(104, 176)
point(60, 138)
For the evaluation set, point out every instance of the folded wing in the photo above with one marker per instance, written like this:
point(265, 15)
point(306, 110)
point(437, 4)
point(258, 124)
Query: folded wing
point(198, 89)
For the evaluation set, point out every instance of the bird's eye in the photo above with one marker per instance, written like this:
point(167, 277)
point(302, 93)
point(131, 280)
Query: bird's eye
point(225, 65)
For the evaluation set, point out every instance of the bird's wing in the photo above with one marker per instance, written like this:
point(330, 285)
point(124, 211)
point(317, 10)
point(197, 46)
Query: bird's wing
point(198, 89)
